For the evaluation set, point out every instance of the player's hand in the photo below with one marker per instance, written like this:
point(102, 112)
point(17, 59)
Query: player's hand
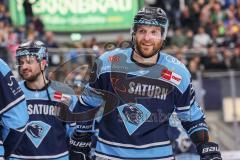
point(209, 151)
point(80, 146)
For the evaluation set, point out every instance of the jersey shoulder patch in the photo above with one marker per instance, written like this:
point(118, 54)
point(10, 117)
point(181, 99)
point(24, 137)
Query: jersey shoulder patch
point(110, 60)
point(175, 71)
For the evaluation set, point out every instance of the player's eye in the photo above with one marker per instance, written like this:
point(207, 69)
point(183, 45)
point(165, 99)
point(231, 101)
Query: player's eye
point(155, 32)
point(141, 31)
point(26, 60)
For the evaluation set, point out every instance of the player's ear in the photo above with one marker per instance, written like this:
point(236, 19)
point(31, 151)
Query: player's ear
point(43, 64)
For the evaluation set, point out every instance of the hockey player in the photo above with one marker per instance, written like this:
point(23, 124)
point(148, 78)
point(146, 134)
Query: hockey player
point(149, 85)
point(13, 110)
point(46, 136)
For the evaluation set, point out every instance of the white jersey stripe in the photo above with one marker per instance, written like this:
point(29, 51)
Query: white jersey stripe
point(105, 157)
point(12, 104)
point(40, 157)
point(135, 146)
point(183, 108)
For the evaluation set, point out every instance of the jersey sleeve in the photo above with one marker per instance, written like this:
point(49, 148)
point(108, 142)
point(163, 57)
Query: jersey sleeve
point(90, 98)
point(189, 111)
point(10, 92)
point(63, 94)
point(13, 110)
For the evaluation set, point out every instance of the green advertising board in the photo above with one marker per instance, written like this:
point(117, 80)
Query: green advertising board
point(79, 15)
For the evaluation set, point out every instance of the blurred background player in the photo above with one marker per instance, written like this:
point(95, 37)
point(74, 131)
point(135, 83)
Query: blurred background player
point(13, 111)
point(183, 148)
point(46, 136)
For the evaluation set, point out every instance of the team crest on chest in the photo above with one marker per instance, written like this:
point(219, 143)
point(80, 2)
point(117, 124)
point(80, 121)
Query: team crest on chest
point(133, 116)
point(37, 131)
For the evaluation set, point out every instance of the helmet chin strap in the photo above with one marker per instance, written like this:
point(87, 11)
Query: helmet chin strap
point(45, 82)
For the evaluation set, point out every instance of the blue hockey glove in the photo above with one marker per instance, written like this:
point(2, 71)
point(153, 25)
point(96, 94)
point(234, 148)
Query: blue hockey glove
point(80, 146)
point(209, 151)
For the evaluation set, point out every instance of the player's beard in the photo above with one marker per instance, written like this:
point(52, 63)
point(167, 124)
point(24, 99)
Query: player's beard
point(155, 49)
point(33, 77)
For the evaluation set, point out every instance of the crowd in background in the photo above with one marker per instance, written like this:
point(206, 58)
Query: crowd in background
point(203, 33)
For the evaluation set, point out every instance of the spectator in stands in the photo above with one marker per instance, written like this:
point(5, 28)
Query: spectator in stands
point(31, 33)
point(189, 34)
point(201, 39)
point(179, 39)
point(230, 37)
point(231, 17)
point(217, 39)
point(38, 26)
point(4, 15)
point(226, 57)
point(195, 11)
point(27, 5)
point(22, 34)
point(3, 31)
point(212, 60)
point(227, 3)
point(193, 66)
point(12, 43)
point(49, 40)
point(235, 60)
point(186, 19)
point(3, 50)
point(238, 15)
point(204, 17)
point(216, 12)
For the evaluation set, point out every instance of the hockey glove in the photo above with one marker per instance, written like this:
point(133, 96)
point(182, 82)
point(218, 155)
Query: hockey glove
point(209, 151)
point(80, 146)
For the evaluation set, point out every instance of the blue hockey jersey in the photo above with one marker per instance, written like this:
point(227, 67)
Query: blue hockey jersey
point(147, 95)
point(46, 136)
point(13, 111)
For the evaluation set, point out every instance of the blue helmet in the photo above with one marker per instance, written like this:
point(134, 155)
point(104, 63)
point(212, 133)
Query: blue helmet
point(152, 16)
point(33, 48)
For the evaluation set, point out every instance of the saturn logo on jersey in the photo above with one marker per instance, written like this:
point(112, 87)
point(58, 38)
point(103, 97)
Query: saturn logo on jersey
point(37, 131)
point(133, 114)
